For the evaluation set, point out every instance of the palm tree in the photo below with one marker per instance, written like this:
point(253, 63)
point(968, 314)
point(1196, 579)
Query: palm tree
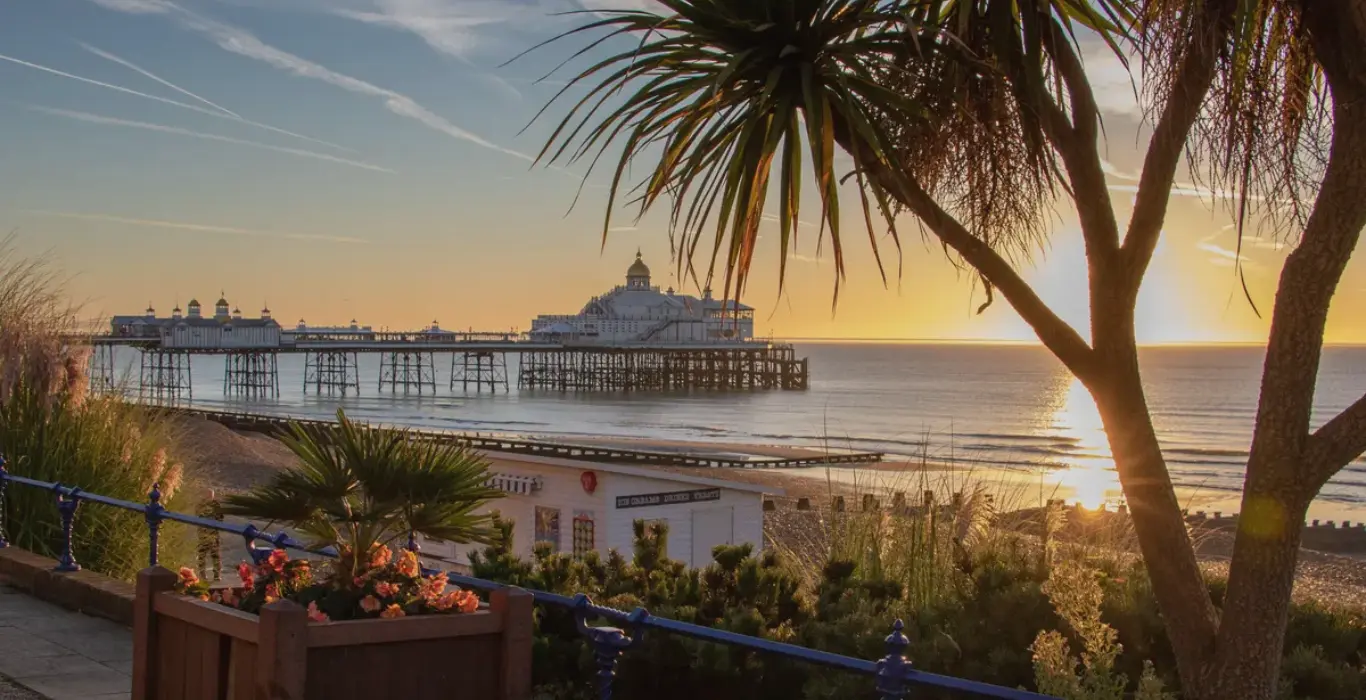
point(358, 487)
point(977, 119)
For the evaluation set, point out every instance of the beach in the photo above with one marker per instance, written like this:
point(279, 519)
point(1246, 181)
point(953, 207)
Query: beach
point(1332, 565)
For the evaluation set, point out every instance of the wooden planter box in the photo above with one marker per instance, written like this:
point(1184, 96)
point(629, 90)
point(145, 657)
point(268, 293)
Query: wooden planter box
point(188, 649)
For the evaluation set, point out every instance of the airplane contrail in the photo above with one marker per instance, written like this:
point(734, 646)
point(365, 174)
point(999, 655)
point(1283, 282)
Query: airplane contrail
point(163, 128)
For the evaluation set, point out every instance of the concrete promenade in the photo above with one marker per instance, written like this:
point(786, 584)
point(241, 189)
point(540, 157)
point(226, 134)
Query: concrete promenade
point(61, 655)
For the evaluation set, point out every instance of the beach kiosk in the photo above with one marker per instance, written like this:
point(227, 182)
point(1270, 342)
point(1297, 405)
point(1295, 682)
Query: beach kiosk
point(580, 506)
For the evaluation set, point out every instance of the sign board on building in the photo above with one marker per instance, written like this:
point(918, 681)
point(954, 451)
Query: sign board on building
point(669, 498)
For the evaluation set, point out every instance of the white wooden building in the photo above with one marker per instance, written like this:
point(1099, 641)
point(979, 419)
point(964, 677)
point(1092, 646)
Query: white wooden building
point(577, 506)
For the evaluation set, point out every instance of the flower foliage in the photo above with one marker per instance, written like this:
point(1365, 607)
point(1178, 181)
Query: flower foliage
point(387, 587)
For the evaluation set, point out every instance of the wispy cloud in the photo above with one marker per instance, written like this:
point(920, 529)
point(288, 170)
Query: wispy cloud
point(1114, 171)
point(149, 74)
point(164, 100)
point(621, 229)
point(165, 129)
point(451, 28)
point(244, 43)
point(198, 228)
point(1223, 257)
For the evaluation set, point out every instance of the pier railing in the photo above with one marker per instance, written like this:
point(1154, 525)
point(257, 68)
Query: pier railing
point(893, 676)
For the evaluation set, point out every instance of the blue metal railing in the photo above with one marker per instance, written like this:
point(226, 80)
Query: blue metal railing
point(893, 674)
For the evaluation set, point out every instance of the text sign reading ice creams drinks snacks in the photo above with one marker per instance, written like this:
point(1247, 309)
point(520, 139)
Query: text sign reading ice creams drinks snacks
point(668, 499)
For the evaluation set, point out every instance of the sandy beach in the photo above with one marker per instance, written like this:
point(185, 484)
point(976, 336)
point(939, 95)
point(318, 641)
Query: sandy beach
point(1332, 566)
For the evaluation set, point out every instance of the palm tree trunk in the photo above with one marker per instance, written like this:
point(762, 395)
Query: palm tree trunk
point(1158, 521)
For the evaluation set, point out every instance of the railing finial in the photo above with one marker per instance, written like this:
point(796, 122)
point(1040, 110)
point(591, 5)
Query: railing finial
point(608, 642)
point(892, 668)
point(153, 513)
point(4, 481)
point(67, 505)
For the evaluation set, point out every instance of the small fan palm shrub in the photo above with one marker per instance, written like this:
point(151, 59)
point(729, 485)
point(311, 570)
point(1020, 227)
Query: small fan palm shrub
point(359, 489)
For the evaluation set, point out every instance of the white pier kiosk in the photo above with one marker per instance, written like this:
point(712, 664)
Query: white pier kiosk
point(580, 506)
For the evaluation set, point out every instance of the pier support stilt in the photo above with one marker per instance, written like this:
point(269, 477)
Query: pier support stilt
point(251, 374)
point(409, 372)
point(164, 376)
point(632, 369)
point(480, 369)
point(331, 372)
point(101, 368)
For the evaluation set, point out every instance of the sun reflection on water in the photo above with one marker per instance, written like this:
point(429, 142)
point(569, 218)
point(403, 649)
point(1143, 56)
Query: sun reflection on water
point(1090, 472)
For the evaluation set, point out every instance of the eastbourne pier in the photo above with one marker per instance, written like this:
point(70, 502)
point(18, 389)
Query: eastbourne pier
point(635, 337)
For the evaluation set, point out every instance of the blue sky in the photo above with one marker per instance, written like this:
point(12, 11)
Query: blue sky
point(362, 158)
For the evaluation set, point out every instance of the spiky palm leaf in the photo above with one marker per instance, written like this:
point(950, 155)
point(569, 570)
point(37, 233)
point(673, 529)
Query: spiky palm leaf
point(719, 91)
point(356, 486)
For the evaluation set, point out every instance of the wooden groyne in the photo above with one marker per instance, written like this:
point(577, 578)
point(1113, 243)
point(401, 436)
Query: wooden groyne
point(261, 423)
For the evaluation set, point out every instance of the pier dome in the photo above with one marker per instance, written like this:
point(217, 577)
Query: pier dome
point(640, 313)
point(638, 274)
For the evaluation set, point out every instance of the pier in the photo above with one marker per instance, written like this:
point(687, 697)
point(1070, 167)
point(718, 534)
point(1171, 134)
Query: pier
point(635, 337)
point(408, 366)
point(276, 425)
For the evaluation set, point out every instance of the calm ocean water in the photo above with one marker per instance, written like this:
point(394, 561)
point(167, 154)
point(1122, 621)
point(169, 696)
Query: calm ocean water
point(1012, 407)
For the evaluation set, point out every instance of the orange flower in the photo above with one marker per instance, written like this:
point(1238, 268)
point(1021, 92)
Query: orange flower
point(380, 556)
point(316, 615)
point(187, 577)
point(407, 564)
point(244, 572)
point(460, 601)
point(272, 593)
point(277, 560)
point(386, 589)
point(391, 612)
point(434, 585)
point(369, 604)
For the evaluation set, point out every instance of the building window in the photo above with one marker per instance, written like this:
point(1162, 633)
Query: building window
point(548, 527)
point(584, 533)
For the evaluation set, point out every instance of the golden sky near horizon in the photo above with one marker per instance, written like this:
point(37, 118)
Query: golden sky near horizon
point(392, 186)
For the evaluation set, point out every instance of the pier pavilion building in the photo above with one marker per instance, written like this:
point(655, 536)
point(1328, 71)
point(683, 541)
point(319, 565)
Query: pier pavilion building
point(226, 328)
point(638, 312)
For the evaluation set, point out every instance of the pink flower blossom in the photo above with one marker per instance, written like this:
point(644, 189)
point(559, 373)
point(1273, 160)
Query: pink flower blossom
point(391, 612)
point(386, 589)
point(316, 615)
point(369, 604)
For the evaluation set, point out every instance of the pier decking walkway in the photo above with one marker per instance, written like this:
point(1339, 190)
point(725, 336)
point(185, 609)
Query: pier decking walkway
point(273, 424)
point(61, 655)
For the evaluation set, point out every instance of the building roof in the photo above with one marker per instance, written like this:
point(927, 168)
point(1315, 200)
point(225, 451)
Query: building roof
point(638, 268)
point(646, 472)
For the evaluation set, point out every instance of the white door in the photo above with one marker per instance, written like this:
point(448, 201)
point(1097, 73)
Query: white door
point(710, 528)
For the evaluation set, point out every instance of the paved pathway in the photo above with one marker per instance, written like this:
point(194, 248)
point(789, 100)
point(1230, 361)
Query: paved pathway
point(60, 654)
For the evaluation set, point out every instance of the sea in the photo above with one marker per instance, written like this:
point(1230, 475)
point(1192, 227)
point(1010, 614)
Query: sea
point(1011, 411)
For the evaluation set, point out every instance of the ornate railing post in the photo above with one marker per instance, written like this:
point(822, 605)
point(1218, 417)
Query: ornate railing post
point(4, 481)
point(153, 514)
point(608, 642)
point(892, 668)
point(249, 534)
point(67, 506)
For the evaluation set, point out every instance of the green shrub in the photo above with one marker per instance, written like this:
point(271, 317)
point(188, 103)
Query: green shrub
point(52, 430)
point(992, 606)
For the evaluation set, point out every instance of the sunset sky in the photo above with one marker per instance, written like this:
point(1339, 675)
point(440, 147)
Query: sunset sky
point(362, 158)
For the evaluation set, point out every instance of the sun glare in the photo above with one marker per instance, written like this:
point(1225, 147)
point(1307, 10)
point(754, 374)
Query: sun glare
point(1090, 474)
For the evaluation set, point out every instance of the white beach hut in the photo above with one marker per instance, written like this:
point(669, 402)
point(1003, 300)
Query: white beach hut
point(580, 506)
